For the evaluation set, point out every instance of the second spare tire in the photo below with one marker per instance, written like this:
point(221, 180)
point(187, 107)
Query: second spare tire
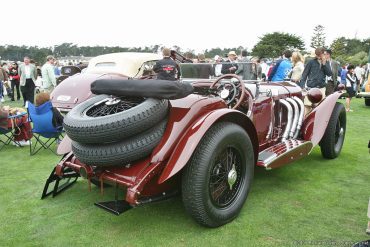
point(103, 119)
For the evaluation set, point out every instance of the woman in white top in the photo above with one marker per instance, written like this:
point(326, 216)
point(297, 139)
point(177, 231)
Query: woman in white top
point(298, 66)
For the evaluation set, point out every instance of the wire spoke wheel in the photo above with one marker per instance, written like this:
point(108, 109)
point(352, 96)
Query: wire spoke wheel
point(225, 178)
point(113, 106)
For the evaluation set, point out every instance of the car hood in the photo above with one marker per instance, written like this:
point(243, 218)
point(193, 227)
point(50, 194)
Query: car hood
point(76, 89)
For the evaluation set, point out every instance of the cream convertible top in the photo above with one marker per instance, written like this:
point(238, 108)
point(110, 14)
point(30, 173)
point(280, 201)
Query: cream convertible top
point(124, 63)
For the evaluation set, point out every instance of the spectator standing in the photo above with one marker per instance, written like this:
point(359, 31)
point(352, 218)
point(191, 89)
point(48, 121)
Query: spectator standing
point(244, 67)
point(256, 69)
point(265, 69)
point(230, 66)
point(314, 74)
point(28, 76)
point(332, 81)
point(298, 67)
point(359, 71)
point(351, 80)
point(205, 69)
point(14, 80)
point(166, 68)
point(343, 74)
point(217, 67)
point(48, 76)
point(3, 78)
point(282, 68)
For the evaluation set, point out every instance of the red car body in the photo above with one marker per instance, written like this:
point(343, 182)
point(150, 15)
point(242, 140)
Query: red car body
point(189, 119)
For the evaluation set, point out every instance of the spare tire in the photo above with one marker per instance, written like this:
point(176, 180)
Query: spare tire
point(122, 152)
point(100, 120)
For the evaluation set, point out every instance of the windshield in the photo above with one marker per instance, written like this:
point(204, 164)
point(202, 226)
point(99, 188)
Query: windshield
point(246, 70)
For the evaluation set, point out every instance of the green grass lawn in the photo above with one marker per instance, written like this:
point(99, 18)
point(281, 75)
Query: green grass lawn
point(313, 200)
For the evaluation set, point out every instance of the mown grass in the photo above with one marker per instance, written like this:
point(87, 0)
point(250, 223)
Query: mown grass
point(313, 201)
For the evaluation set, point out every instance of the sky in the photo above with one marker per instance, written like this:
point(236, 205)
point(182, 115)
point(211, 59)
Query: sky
point(190, 24)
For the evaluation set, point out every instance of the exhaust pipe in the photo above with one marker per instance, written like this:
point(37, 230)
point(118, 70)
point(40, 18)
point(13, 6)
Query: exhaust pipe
point(295, 116)
point(289, 120)
point(300, 118)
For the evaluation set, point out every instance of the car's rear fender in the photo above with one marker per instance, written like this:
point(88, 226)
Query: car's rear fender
point(194, 134)
point(315, 123)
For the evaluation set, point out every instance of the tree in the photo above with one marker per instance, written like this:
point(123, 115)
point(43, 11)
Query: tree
point(318, 38)
point(338, 47)
point(274, 44)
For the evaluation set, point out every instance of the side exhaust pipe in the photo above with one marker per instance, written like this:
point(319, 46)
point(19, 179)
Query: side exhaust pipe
point(300, 118)
point(289, 120)
point(295, 116)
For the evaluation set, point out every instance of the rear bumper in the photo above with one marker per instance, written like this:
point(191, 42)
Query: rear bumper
point(139, 180)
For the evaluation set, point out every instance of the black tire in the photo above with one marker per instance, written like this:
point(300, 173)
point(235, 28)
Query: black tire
point(332, 142)
point(122, 152)
point(204, 169)
point(116, 126)
point(367, 101)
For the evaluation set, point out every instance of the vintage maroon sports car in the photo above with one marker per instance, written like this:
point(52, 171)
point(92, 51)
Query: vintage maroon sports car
point(154, 139)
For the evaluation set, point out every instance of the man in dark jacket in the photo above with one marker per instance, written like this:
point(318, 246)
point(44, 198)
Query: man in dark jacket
point(205, 69)
point(315, 72)
point(332, 81)
point(230, 66)
point(166, 68)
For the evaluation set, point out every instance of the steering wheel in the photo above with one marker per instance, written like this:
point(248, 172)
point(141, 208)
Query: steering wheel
point(233, 91)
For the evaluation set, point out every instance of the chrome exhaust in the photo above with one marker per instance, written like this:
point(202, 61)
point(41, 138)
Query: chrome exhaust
point(289, 120)
point(300, 118)
point(295, 116)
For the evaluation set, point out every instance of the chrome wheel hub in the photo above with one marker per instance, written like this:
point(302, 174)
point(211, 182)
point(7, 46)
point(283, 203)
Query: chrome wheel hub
point(113, 101)
point(231, 177)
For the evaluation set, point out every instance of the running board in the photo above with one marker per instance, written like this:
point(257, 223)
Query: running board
point(283, 153)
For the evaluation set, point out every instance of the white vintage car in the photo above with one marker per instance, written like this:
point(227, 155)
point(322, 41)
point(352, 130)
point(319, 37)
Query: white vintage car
point(76, 89)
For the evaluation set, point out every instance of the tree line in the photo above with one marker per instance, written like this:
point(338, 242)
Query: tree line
point(270, 45)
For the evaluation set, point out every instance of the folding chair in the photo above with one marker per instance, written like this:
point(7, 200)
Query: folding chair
point(8, 136)
point(42, 119)
point(8, 133)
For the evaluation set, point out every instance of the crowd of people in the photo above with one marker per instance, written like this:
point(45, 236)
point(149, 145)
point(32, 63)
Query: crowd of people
point(320, 72)
point(19, 81)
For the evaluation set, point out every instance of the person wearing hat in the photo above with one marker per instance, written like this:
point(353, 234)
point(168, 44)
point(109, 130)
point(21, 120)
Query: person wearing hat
point(48, 76)
point(230, 66)
point(14, 80)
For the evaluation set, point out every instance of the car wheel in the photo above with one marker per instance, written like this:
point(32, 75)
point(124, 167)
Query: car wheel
point(100, 120)
point(367, 101)
point(216, 182)
point(121, 152)
point(332, 141)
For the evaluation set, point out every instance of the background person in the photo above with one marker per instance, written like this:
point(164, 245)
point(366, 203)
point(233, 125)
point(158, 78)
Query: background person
point(3, 78)
point(49, 81)
point(44, 97)
point(166, 68)
point(28, 76)
point(332, 81)
point(244, 67)
point(298, 66)
point(351, 80)
point(230, 66)
point(205, 69)
point(14, 80)
point(282, 68)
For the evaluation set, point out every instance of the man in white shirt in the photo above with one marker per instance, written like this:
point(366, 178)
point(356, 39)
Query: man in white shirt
point(48, 75)
point(359, 71)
